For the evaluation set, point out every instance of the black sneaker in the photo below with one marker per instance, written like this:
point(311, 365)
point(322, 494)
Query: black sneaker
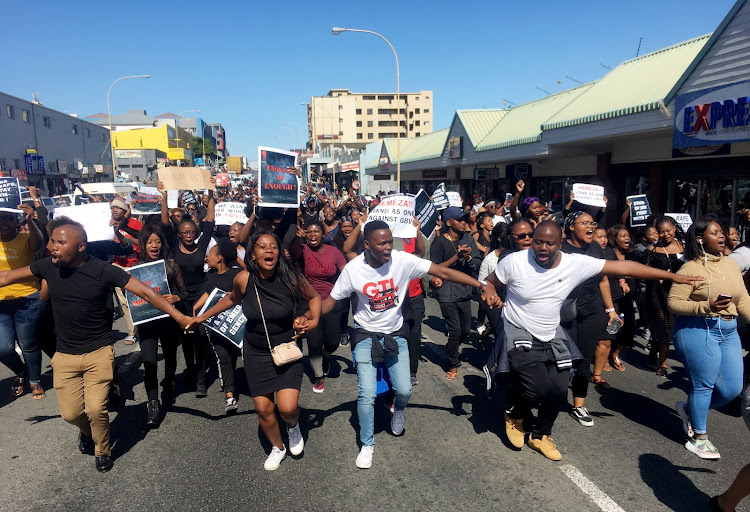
point(103, 463)
point(167, 396)
point(581, 414)
point(85, 444)
point(154, 414)
point(200, 390)
point(344, 339)
point(326, 366)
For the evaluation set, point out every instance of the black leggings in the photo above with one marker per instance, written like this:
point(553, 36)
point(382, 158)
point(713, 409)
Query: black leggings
point(587, 332)
point(226, 359)
point(414, 340)
point(194, 345)
point(325, 338)
point(149, 334)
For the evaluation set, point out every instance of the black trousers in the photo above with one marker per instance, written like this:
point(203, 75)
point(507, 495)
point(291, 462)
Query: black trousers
point(586, 331)
point(194, 344)
point(415, 331)
point(539, 383)
point(458, 320)
point(345, 304)
point(325, 338)
point(149, 334)
point(226, 360)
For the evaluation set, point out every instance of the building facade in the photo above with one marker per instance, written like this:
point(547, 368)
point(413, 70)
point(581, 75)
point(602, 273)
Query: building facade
point(173, 142)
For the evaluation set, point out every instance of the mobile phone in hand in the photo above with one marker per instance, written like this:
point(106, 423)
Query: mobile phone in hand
point(722, 297)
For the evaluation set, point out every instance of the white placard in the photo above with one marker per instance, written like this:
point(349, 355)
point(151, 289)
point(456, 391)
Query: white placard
point(94, 217)
point(398, 212)
point(454, 199)
point(684, 220)
point(173, 197)
point(592, 195)
point(229, 213)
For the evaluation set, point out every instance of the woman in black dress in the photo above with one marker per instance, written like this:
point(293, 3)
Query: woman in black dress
point(622, 289)
point(279, 287)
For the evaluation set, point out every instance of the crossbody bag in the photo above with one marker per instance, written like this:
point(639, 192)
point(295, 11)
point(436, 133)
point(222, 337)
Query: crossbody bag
point(283, 353)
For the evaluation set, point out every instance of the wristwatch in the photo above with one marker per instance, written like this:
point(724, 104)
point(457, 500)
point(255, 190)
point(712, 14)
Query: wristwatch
point(609, 310)
point(482, 284)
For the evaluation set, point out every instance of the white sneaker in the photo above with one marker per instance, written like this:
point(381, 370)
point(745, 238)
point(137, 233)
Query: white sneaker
point(274, 459)
point(481, 329)
point(231, 406)
point(397, 422)
point(364, 459)
point(296, 443)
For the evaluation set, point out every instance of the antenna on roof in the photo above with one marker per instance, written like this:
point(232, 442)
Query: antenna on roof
point(545, 92)
point(35, 98)
point(638, 52)
point(508, 102)
point(573, 80)
point(605, 66)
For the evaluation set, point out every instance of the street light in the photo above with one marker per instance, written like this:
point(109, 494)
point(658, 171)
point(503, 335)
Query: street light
point(298, 128)
point(285, 125)
point(337, 31)
point(109, 115)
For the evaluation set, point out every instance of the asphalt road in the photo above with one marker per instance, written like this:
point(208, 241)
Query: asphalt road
point(452, 456)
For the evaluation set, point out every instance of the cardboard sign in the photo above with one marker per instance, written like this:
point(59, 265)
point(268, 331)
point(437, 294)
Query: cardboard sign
point(222, 179)
point(439, 199)
point(592, 195)
point(10, 195)
point(185, 178)
point(426, 213)
point(683, 219)
point(398, 212)
point(230, 323)
point(229, 213)
point(145, 202)
point(277, 186)
point(454, 199)
point(153, 275)
point(94, 217)
point(640, 210)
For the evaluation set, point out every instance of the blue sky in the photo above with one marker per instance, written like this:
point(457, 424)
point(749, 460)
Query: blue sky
point(250, 64)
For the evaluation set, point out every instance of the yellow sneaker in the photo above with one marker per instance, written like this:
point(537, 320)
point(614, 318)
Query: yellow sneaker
point(546, 446)
point(514, 431)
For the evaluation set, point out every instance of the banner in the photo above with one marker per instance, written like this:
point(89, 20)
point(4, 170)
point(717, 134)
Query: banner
point(398, 212)
point(454, 199)
point(94, 217)
point(10, 195)
point(230, 323)
point(153, 275)
point(640, 210)
point(592, 195)
point(185, 178)
point(145, 202)
point(426, 213)
point(229, 213)
point(439, 199)
point(683, 219)
point(276, 185)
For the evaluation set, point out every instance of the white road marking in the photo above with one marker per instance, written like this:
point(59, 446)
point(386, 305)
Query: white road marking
point(603, 501)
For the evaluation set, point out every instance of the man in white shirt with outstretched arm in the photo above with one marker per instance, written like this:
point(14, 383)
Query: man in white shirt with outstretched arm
point(380, 277)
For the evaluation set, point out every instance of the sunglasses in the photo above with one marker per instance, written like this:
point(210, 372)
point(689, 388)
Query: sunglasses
point(522, 236)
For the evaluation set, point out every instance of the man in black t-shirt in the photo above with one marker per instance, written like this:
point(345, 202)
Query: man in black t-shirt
point(83, 364)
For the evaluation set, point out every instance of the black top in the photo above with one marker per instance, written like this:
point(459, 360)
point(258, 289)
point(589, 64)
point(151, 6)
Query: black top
point(83, 321)
point(442, 250)
point(588, 295)
point(191, 264)
point(314, 216)
point(223, 282)
point(483, 239)
point(278, 309)
point(614, 281)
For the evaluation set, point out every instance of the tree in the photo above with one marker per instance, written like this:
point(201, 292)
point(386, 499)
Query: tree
point(197, 147)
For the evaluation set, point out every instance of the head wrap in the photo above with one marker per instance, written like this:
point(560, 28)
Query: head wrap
point(528, 202)
point(119, 203)
point(570, 219)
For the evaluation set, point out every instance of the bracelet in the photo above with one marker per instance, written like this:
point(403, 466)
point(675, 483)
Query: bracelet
point(622, 281)
point(609, 310)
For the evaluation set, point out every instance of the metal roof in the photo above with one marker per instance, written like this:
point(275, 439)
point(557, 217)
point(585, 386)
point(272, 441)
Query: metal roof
point(479, 123)
point(522, 124)
point(636, 85)
point(425, 147)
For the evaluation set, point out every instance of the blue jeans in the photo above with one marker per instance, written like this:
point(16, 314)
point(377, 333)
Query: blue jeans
point(18, 321)
point(398, 370)
point(711, 351)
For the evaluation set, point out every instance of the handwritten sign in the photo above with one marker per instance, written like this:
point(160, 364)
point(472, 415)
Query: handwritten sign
point(153, 275)
point(94, 217)
point(454, 199)
point(145, 202)
point(439, 198)
point(10, 195)
point(640, 210)
point(683, 219)
point(592, 195)
point(426, 213)
point(398, 212)
point(186, 178)
point(173, 198)
point(277, 186)
point(229, 213)
point(230, 323)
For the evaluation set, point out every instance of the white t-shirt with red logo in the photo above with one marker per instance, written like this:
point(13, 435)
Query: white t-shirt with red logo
point(381, 291)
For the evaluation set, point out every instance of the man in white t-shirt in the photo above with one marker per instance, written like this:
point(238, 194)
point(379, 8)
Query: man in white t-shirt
point(380, 277)
point(491, 207)
point(538, 281)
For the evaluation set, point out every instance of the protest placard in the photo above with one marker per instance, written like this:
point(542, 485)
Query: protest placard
point(153, 275)
point(186, 178)
point(640, 210)
point(426, 213)
point(230, 323)
point(145, 202)
point(94, 217)
point(454, 199)
point(10, 195)
point(277, 186)
point(398, 212)
point(173, 197)
point(439, 199)
point(592, 195)
point(683, 219)
point(222, 179)
point(229, 213)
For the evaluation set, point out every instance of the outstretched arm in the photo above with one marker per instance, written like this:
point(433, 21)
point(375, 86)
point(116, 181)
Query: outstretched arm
point(633, 269)
point(489, 295)
point(17, 275)
point(146, 292)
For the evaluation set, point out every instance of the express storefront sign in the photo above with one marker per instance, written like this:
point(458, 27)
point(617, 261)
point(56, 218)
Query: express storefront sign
point(719, 115)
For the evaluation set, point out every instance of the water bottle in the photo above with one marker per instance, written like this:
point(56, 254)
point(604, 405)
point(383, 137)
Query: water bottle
point(615, 324)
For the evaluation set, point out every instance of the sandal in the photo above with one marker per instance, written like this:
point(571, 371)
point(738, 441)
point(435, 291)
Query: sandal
point(617, 364)
point(451, 375)
point(16, 389)
point(37, 391)
point(661, 372)
point(607, 367)
point(598, 381)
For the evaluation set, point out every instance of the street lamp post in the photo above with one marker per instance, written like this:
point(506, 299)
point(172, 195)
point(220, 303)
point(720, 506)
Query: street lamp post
point(285, 125)
point(109, 115)
point(337, 31)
